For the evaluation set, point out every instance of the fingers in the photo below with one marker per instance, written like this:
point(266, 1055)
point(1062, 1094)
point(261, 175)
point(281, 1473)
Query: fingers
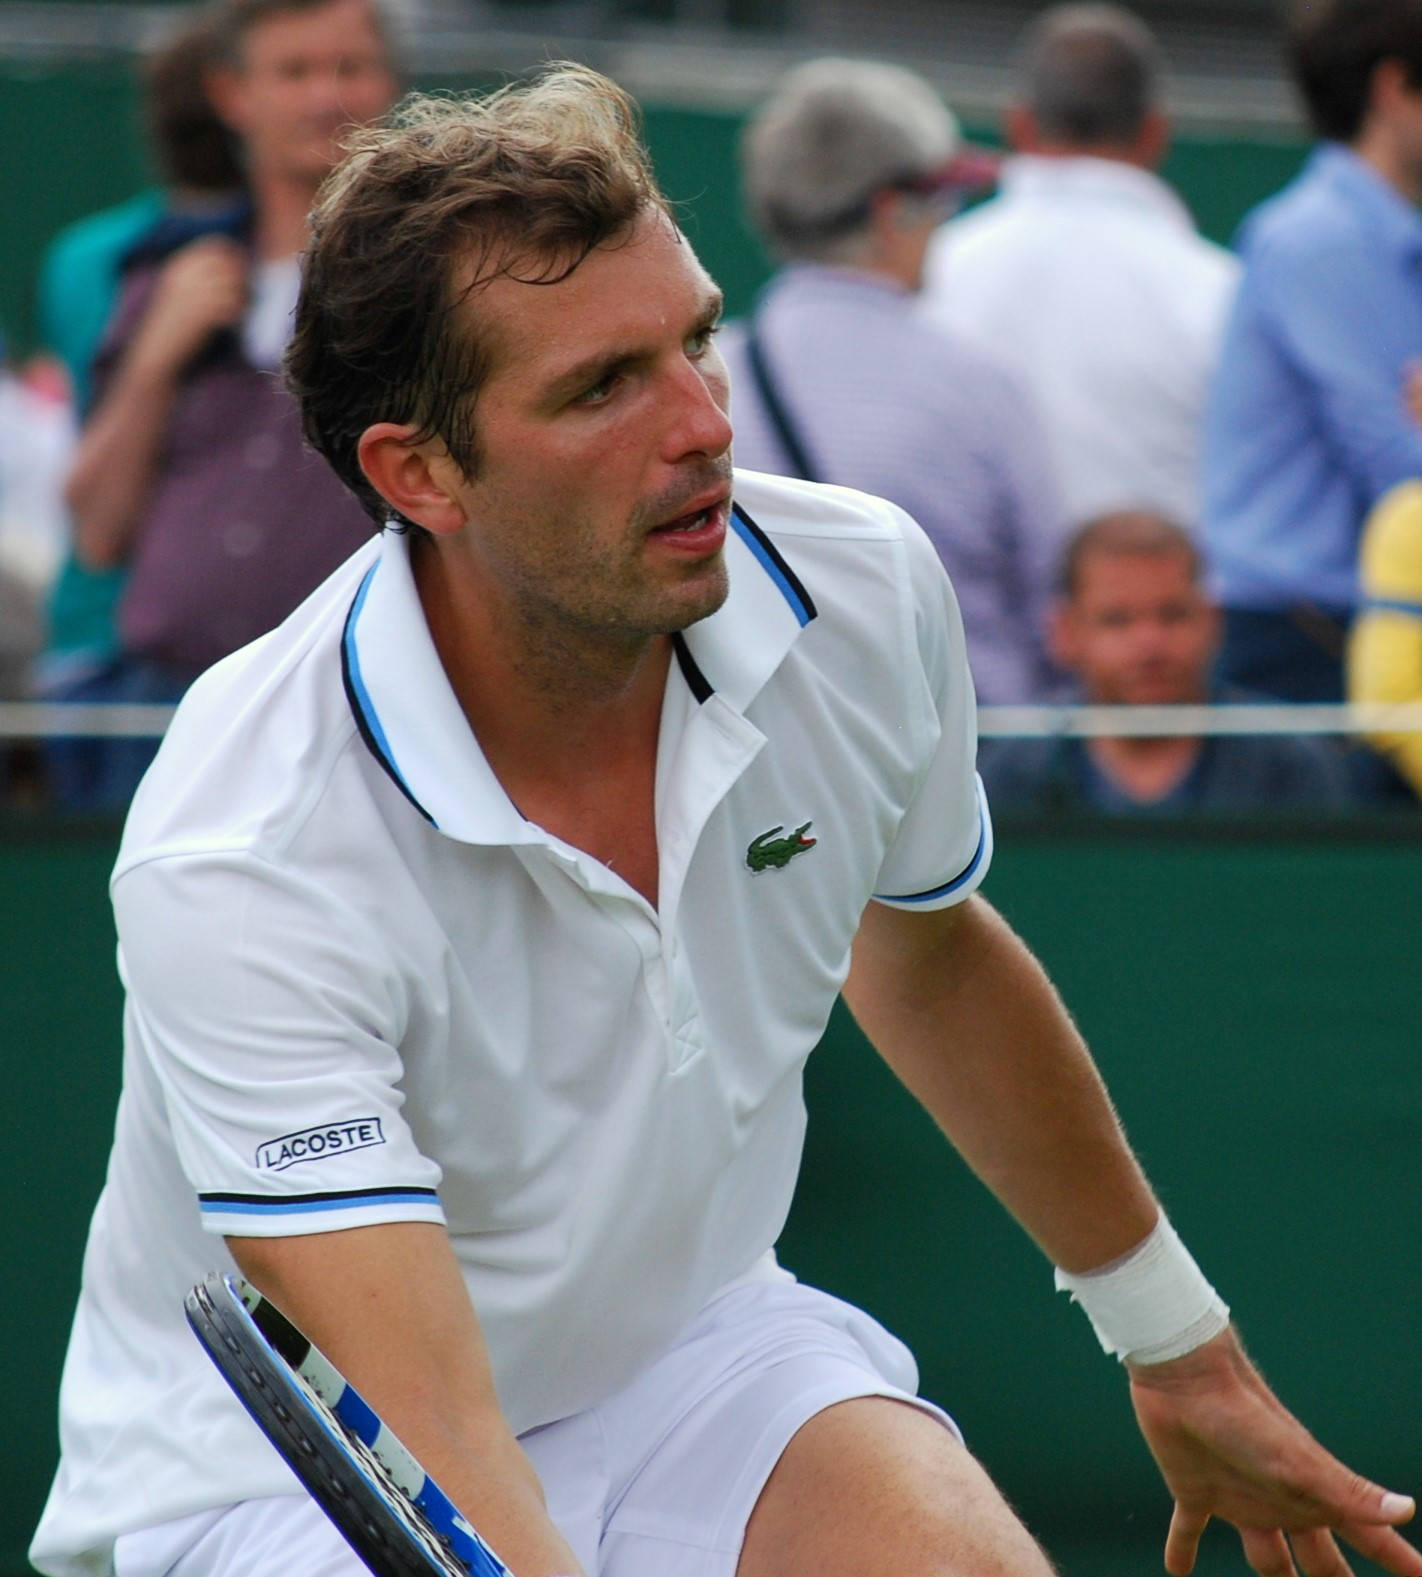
point(1182, 1543)
point(1388, 1549)
point(1267, 1552)
point(1317, 1554)
point(1358, 1500)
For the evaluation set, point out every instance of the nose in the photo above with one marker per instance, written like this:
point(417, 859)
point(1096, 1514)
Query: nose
point(699, 423)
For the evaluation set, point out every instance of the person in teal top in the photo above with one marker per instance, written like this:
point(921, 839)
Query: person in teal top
point(79, 281)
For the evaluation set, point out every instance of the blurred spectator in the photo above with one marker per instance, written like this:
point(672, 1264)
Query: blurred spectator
point(197, 160)
point(1307, 428)
point(192, 471)
point(198, 163)
point(848, 170)
point(1086, 271)
point(1385, 649)
point(1134, 626)
point(36, 441)
point(36, 447)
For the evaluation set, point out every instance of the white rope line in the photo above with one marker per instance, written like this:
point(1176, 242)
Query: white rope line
point(57, 720)
point(1086, 722)
point(60, 720)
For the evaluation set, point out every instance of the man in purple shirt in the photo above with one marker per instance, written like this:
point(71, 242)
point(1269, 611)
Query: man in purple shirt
point(839, 377)
point(1307, 427)
point(192, 471)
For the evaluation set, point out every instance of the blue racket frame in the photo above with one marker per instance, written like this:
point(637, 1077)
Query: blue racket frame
point(388, 1509)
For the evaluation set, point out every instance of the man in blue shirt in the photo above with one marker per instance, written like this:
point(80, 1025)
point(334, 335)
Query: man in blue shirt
point(1307, 426)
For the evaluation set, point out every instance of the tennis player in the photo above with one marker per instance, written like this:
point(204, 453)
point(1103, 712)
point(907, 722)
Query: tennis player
point(476, 925)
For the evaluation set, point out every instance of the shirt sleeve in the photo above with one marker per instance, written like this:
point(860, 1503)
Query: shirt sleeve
point(943, 846)
point(270, 1016)
point(1342, 325)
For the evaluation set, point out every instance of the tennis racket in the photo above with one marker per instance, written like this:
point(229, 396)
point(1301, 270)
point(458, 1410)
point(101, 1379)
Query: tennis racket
point(388, 1509)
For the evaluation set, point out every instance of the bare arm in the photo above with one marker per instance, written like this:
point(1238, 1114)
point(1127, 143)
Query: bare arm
point(1015, 1090)
point(968, 1020)
point(388, 1306)
point(202, 288)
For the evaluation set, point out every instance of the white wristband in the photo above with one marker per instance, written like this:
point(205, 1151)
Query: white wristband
point(1151, 1305)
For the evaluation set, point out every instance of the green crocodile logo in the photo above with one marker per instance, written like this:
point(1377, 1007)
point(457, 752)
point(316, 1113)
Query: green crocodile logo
point(772, 852)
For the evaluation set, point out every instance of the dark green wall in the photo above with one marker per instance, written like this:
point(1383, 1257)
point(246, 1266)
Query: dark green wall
point(72, 141)
point(1255, 1009)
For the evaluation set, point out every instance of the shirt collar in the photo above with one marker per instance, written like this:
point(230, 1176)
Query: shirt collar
point(411, 722)
point(1075, 177)
point(1380, 203)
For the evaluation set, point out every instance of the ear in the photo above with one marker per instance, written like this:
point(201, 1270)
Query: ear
point(1019, 126)
point(1152, 142)
point(1389, 85)
point(419, 479)
point(1061, 635)
point(1215, 614)
point(223, 88)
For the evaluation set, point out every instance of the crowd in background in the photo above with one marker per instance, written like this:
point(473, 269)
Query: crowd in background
point(1158, 471)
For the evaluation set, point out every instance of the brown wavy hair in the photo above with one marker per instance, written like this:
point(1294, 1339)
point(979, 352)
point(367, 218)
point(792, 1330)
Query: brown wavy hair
point(446, 195)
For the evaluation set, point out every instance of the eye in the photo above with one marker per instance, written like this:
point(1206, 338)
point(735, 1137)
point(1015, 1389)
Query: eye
point(599, 392)
point(700, 341)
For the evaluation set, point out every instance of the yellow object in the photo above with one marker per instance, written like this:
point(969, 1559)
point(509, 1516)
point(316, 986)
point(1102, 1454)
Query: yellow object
point(1385, 648)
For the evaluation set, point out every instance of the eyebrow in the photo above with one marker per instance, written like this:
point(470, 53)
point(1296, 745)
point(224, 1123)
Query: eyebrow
point(593, 369)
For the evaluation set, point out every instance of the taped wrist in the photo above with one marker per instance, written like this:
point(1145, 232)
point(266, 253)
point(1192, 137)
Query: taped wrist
point(1151, 1305)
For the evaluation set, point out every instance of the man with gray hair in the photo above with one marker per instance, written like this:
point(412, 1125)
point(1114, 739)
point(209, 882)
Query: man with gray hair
point(849, 168)
point(1087, 273)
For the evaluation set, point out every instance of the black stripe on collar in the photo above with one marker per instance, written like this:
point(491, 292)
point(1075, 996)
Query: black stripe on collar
point(696, 681)
point(790, 582)
point(362, 722)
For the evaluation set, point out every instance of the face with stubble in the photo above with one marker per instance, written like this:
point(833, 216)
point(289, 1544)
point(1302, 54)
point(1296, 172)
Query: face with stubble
point(1137, 629)
point(601, 497)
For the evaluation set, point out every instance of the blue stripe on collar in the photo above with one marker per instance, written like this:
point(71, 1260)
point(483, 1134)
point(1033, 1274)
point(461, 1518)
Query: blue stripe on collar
point(770, 560)
point(362, 708)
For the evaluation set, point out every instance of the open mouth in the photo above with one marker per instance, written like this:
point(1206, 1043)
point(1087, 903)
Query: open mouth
point(696, 521)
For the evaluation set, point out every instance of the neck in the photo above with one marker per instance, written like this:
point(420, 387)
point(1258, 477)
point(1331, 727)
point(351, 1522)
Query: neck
point(541, 697)
point(282, 205)
point(1377, 149)
point(1145, 769)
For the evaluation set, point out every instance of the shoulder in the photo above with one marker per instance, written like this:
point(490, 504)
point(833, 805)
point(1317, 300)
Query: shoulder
point(838, 528)
point(1307, 223)
point(254, 742)
point(1271, 771)
point(870, 575)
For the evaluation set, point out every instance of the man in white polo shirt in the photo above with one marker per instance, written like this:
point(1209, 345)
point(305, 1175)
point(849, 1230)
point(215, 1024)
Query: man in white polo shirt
point(476, 925)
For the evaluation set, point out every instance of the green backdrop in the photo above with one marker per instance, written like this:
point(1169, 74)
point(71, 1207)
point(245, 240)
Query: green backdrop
point(1254, 1005)
point(73, 144)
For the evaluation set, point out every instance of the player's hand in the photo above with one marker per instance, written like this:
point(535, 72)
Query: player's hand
point(1228, 1448)
point(202, 288)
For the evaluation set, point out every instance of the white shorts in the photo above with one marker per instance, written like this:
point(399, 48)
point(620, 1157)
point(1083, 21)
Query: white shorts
point(657, 1481)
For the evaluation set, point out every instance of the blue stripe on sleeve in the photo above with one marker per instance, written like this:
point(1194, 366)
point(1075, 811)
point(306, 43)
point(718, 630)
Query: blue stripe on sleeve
point(219, 1206)
point(960, 880)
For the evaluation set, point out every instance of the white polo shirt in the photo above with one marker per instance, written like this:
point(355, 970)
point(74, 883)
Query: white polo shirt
point(362, 988)
point(1087, 277)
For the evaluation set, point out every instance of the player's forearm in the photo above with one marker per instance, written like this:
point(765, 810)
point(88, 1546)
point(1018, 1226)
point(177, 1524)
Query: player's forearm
point(116, 459)
point(968, 1020)
point(387, 1305)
